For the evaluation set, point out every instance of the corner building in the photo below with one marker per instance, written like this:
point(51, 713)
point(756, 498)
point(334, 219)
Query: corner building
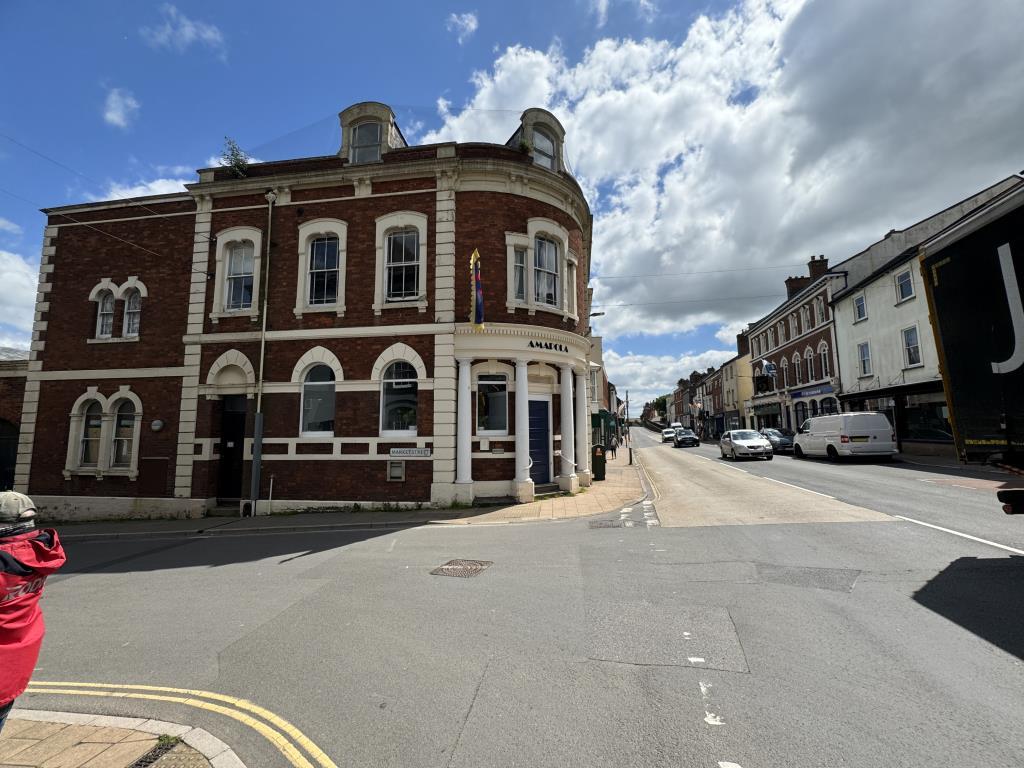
point(316, 312)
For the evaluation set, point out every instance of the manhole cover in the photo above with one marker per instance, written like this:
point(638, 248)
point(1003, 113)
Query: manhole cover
point(605, 523)
point(462, 568)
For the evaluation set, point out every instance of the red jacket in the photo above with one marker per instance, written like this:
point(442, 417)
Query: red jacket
point(25, 562)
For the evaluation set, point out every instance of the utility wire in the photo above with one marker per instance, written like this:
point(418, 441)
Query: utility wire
point(702, 272)
point(689, 301)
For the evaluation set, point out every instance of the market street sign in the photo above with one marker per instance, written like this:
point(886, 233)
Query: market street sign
point(406, 453)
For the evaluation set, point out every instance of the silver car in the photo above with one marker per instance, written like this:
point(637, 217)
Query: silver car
point(746, 443)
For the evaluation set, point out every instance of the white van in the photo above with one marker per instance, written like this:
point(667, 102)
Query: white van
point(845, 434)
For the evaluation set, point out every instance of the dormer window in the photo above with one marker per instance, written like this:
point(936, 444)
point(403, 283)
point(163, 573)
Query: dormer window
point(543, 149)
point(366, 140)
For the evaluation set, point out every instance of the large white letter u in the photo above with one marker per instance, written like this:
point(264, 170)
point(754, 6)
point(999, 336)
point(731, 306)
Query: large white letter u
point(1016, 360)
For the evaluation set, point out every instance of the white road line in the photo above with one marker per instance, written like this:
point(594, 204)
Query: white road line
point(968, 487)
point(961, 535)
point(730, 466)
point(799, 488)
point(391, 547)
point(709, 717)
point(925, 481)
point(695, 660)
point(728, 765)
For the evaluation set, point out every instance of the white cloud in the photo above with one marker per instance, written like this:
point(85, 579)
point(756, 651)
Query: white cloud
point(121, 190)
point(463, 25)
point(18, 298)
point(178, 32)
point(776, 130)
point(650, 376)
point(9, 226)
point(174, 170)
point(645, 9)
point(120, 108)
point(727, 333)
point(216, 161)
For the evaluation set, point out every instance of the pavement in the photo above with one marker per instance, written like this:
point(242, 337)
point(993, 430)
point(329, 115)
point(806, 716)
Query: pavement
point(622, 485)
point(47, 739)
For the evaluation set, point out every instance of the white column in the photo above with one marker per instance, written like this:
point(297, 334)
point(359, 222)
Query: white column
point(582, 430)
point(464, 435)
point(523, 483)
point(568, 480)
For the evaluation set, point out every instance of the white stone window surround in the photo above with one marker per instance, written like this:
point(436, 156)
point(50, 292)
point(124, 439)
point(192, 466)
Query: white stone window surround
point(905, 349)
point(549, 230)
point(231, 374)
point(826, 371)
point(119, 292)
point(332, 387)
point(797, 361)
point(864, 371)
point(312, 358)
point(492, 368)
point(392, 222)
point(401, 353)
point(364, 151)
point(809, 362)
point(863, 305)
point(103, 467)
point(909, 273)
point(309, 231)
point(225, 238)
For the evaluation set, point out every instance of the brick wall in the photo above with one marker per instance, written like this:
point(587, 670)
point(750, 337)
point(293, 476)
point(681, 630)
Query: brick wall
point(12, 394)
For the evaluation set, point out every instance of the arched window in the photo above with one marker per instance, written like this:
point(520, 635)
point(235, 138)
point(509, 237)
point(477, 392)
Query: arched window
point(814, 407)
point(398, 400)
point(124, 435)
point(797, 378)
point(823, 354)
point(318, 402)
point(800, 409)
point(785, 373)
point(132, 313)
point(809, 356)
point(105, 315)
point(782, 332)
point(92, 428)
point(543, 149)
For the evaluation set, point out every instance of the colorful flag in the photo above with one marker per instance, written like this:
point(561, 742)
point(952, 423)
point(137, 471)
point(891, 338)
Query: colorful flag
point(477, 317)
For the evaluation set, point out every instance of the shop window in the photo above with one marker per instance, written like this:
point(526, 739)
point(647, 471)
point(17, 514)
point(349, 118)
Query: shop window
point(926, 417)
point(492, 404)
point(132, 313)
point(398, 400)
point(318, 402)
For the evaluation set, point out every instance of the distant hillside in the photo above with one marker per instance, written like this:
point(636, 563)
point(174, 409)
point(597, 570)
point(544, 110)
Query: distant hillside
point(10, 353)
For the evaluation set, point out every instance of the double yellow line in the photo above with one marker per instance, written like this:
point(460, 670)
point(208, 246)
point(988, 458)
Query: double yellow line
point(282, 734)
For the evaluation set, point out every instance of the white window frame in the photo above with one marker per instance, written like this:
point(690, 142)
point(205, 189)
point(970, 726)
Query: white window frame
point(102, 299)
point(114, 439)
point(781, 328)
point(859, 318)
point(784, 367)
point(387, 224)
point(798, 378)
point(380, 419)
point(826, 369)
point(896, 285)
point(332, 385)
point(125, 320)
point(792, 326)
point(863, 373)
point(225, 239)
point(353, 147)
point(109, 406)
point(903, 343)
point(553, 155)
point(819, 306)
point(476, 398)
point(771, 338)
point(557, 272)
point(308, 232)
point(568, 270)
point(809, 363)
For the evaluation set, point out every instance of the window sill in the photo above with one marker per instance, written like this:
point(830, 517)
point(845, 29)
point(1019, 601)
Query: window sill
point(860, 320)
point(533, 309)
point(487, 434)
point(397, 434)
point(252, 314)
point(913, 367)
point(117, 340)
point(314, 436)
point(99, 474)
point(911, 297)
point(421, 305)
point(866, 376)
point(338, 309)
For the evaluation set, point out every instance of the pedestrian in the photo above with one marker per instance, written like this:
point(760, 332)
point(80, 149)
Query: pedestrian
point(612, 446)
point(27, 556)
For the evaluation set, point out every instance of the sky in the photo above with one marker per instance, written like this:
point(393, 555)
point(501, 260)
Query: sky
point(720, 144)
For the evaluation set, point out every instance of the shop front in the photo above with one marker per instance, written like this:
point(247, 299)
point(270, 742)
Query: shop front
point(768, 415)
point(919, 415)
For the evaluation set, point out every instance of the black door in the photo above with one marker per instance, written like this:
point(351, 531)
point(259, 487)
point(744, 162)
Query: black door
point(540, 442)
point(232, 441)
point(8, 454)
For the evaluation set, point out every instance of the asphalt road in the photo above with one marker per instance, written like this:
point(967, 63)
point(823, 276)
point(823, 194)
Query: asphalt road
point(839, 636)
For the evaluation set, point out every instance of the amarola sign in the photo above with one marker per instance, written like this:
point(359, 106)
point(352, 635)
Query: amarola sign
point(553, 346)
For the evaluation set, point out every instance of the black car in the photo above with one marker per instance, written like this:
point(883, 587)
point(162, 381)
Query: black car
point(685, 436)
point(781, 442)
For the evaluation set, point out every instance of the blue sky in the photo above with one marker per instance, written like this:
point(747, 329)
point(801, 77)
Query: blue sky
point(720, 144)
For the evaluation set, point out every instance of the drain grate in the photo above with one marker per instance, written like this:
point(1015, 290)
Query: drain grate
point(154, 754)
point(605, 523)
point(462, 568)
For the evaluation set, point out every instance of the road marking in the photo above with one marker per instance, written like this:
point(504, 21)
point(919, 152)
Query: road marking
point(799, 488)
point(730, 466)
point(709, 717)
point(728, 765)
point(695, 659)
point(391, 546)
point(127, 691)
point(968, 487)
point(961, 535)
point(925, 481)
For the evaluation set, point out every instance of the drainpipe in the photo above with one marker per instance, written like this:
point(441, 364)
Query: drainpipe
point(257, 427)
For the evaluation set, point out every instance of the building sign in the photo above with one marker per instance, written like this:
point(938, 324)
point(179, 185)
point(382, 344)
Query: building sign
point(551, 345)
point(822, 389)
point(407, 453)
point(767, 409)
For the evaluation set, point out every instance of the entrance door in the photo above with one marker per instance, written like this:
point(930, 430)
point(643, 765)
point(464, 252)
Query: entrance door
point(8, 454)
point(232, 441)
point(540, 441)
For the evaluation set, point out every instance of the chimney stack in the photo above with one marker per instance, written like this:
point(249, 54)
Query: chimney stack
point(742, 344)
point(817, 266)
point(796, 284)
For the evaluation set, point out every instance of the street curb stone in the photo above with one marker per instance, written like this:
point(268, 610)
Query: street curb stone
point(209, 746)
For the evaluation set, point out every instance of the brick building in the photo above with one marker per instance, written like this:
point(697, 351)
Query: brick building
point(303, 333)
point(797, 339)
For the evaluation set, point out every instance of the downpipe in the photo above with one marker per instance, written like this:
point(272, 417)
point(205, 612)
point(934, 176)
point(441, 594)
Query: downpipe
point(257, 427)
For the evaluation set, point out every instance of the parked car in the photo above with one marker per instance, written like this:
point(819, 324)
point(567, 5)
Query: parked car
point(866, 433)
point(685, 436)
point(676, 425)
point(667, 434)
point(781, 443)
point(745, 442)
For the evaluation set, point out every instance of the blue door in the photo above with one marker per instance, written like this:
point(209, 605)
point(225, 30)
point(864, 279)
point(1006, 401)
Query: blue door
point(540, 442)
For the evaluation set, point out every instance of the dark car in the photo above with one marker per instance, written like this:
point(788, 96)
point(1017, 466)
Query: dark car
point(781, 442)
point(685, 436)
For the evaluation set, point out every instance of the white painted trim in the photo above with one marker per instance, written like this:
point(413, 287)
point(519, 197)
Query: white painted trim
point(386, 224)
point(231, 358)
point(398, 351)
point(317, 356)
point(311, 334)
point(226, 237)
point(108, 373)
point(309, 230)
point(108, 406)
